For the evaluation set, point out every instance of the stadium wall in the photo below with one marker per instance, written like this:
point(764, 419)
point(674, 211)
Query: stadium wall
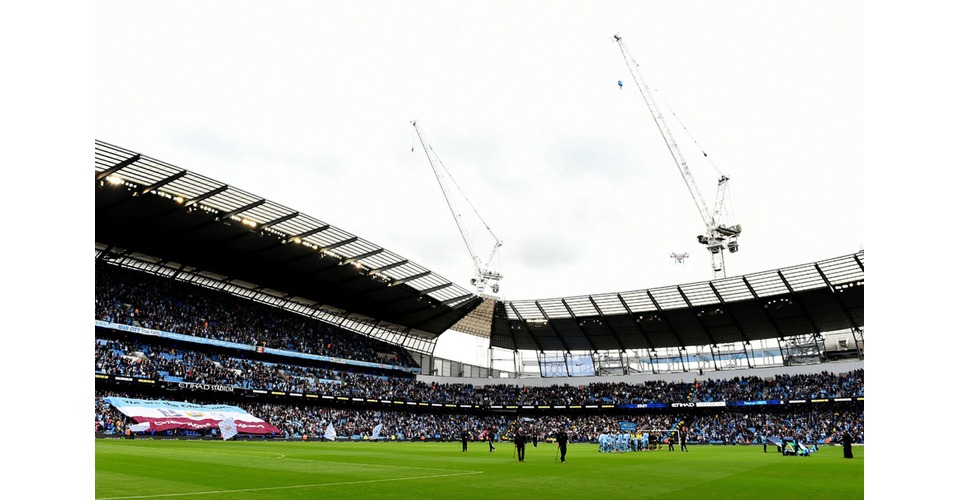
point(688, 377)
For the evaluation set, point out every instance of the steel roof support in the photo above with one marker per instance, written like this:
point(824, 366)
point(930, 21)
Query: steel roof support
point(338, 244)
point(603, 319)
point(736, 323)
point(240, 210)
point(204, 196)
point(854, 329)
point(593, 346)
point(304, 234)
point(555, 331)
point(409, 278)
point(673, 330)
point(160, 183)
point(116, 168)
point(706, 331)
point(803, 310)
point(278, 220)
point(846, 313)
point(525, 327)
point(766, 314)
point(386, 267)
point(371, 253)
point(639, 329)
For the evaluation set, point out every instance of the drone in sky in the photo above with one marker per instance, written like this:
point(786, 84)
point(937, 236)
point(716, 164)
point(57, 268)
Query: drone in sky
point(678, 258)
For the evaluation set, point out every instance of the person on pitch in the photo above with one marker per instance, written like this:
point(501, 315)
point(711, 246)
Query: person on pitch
point(562, 438)
point(847, 441)
point(520, 441)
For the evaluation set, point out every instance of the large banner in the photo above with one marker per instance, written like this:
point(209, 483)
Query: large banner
point(165, 415)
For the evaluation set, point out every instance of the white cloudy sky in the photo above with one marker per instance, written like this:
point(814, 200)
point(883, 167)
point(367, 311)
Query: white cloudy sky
point(309, 104)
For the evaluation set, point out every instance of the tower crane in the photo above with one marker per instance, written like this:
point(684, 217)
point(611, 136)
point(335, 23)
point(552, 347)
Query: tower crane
point(718, 236)
point(485, 272)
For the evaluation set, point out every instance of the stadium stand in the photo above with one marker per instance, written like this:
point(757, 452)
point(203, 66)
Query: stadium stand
point(160, 336)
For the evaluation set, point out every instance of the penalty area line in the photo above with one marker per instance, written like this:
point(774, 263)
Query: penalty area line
point(274, 488)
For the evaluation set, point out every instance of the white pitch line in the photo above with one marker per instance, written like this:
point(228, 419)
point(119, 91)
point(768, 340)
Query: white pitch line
point(368, 465)
point(244, 490)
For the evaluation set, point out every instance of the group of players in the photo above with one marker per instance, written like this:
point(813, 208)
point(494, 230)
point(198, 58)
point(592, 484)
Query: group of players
point(624, 442)
point(619, 442)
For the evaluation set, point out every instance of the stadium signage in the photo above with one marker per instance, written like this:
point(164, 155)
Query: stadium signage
point(683, 405)
point(754, 403)
point(205, 387)
point(711, 403)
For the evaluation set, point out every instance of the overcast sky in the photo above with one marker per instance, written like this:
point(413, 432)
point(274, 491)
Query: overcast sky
point(309, 104)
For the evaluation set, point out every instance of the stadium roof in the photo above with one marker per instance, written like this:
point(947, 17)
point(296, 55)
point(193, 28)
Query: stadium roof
point(150, 207)
point(185, 221)
point(806, 299)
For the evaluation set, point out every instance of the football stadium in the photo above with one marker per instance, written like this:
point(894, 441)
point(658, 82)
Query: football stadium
point(232, 331)
point(254, 346)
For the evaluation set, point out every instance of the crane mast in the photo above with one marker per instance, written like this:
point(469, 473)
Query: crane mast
point(717, 237)
point(484, 269)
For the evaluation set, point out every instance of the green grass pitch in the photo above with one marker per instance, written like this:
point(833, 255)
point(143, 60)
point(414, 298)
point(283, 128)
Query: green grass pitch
point(359, 470)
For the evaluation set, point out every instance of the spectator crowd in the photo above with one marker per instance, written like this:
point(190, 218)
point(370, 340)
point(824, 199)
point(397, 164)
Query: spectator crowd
point(139, 299)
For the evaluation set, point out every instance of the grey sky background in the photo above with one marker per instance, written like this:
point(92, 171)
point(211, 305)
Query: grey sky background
point(309, 104)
